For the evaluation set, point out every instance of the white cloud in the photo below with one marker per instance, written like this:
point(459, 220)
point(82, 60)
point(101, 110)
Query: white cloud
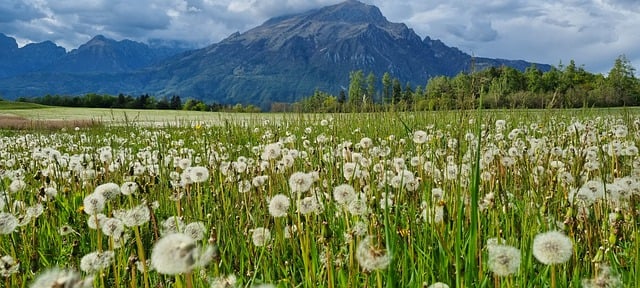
point(593, 33)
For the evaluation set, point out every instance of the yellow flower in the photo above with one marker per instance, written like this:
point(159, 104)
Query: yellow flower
point(80, 209)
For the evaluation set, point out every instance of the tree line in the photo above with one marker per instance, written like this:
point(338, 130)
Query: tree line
point(564, 86)
point(144, 101)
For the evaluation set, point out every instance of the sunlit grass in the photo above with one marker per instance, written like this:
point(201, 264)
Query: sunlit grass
point(336, 200)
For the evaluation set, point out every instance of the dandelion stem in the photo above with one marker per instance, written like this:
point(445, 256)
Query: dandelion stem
point(99, 234)
point(553, 276)
point(188, 279)
point(141, 256)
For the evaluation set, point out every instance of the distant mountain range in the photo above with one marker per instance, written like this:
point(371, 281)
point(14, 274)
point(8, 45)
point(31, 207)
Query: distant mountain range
point(282, 60)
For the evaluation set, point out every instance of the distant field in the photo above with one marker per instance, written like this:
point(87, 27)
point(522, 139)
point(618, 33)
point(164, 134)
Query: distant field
point(10, 105)
point(121, 116)
point(38, 112)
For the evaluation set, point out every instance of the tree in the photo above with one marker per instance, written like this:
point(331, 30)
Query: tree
point(342, 97)
point(623, 82)
point(396, 91)
point(386, 87)
point(162, 104)
point(407, 94)
point(356, 87)
point(371, 86)
point(533, 78)
point(175, 103)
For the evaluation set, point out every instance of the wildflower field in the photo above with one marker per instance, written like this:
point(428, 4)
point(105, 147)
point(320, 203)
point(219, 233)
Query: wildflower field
point(446, 199)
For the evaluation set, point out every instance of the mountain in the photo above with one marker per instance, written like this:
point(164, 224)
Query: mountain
point(105, 55)
point(282, 60)
point(32, 57)
point(98, 55)
point(290, 56)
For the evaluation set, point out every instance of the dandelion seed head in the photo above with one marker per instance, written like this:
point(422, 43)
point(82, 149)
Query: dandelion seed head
point(260, 236)
point(8, 266)
point(606, 278)
point(17, 185)
point(552, 247)
point(94, 203)
point(228, 281)
point(420, 137)
point(271, 151)
point(195, 230)
point(56, 277)
point(8, 223)
point(112, 227)
point(300, 182)
point(173, 224)
point(128, 188)
point(279, 205)
point(290, 231)
point(108, 190)
point(174, 254)
point(438, 285)
point(35, 211)
point(308, 205)
point(244, 186)
point(503, 260)
point(371, 258)
point(65, 230)
point(259, 181)
point(344, 194)
point(136, 216)
point(96, 221)
point(51, 192)
point(350, 170)
point(96, 261)
point(359, 228)
point(358, 207)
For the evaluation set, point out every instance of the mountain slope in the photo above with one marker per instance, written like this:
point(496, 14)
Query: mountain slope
point(290, 56)
point(101, 54)
point(32, 57)
point(282, 60)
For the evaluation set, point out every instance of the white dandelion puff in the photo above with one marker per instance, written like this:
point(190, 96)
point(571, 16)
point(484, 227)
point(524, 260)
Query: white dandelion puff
point(61, 278)
point(96, 261)
point(108, 191)
point(199, 174)
point(178, 253)
point(552, 247)
point(195, 230)
point(279, 205)
point(503, 260)
point(605, 278)
point(8, 223)
point(8, 266)
point(128, 188)
point(173, 224)
point(136, 216)
point(344, 194)
point(94, 203)
point(371, 258)
point(260, 236)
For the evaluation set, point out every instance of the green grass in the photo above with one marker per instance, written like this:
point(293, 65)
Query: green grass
point(520, 194)
point(10, 105)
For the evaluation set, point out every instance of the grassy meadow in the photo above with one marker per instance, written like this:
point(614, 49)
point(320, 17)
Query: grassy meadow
point(526, 198)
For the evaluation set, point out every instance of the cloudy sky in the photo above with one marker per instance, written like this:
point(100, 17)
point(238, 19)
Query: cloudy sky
point(591, 32)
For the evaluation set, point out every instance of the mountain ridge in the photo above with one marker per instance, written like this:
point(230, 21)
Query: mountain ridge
point(282, 60)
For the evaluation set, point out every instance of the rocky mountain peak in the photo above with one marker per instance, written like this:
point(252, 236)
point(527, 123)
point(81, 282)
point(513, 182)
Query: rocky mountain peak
point(350, 11)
